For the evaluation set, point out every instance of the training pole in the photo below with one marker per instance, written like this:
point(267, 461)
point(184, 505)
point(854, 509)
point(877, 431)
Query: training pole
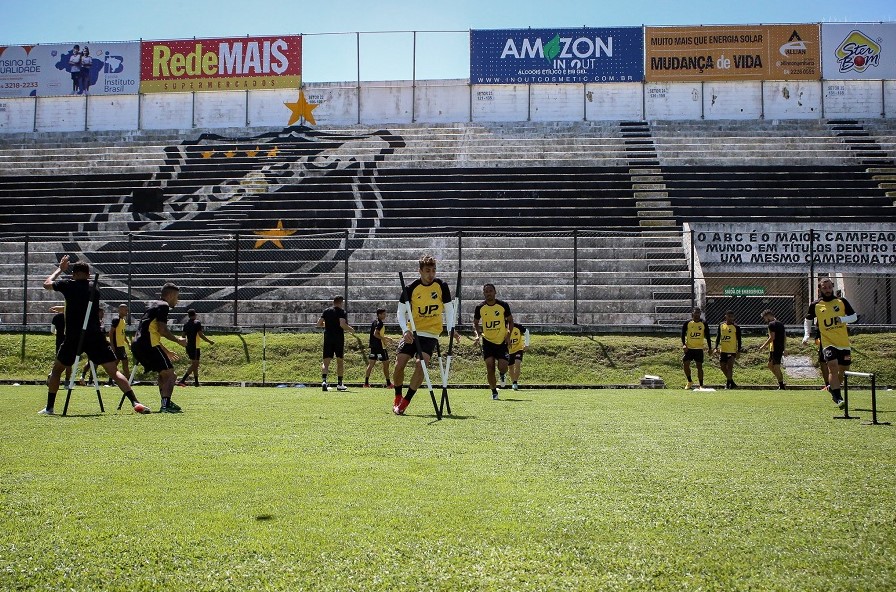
point(870, 375)
point(96, 385)
point(71, 385)
point(420, 360)
point(264, 353)
point(444, 403)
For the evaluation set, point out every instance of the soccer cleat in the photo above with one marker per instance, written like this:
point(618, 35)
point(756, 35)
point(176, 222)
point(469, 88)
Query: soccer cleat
point(503, 382)
point(494, 396)
point(141, 408)
point(733, 385)
point(515, 386)
point(341, 388)
point(825, 387)
point(180, 383)
point(323, 387)
point(397, 410)
point(689, 385)
point(782, 386)
point(46, 412)
point(173, 407)
point(366, 385)
point(389, 385)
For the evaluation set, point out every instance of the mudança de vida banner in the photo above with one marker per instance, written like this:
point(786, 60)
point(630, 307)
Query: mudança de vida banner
point(858, 51)
point(46, 70)
point(241, 63)
point(789, 248)
point(550, 56)
point(733, 52)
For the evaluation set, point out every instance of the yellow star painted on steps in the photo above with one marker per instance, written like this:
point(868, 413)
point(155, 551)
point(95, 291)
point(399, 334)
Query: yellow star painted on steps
point(273, 235)
point(208, 153)
point(252, 153)
point(301, 109)
point(273, 151)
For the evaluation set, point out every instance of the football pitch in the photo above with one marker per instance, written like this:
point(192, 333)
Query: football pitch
point(295, 489)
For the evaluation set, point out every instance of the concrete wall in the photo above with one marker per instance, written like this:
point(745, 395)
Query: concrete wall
point(447, 101)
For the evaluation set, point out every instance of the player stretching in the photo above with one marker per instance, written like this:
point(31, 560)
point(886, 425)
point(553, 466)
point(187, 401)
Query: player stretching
point(430, 297)
point(833, 313)
point(492, 323)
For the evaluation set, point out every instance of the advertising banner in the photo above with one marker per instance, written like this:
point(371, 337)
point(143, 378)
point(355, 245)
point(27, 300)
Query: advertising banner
point(239, 63)
point(546, 56)
point(48, 70)
point(733, 52)
point(858, 51)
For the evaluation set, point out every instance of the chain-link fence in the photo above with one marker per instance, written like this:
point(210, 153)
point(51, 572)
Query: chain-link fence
point(569, 280)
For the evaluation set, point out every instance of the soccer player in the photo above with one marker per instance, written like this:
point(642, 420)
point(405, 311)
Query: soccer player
point(334, 321)
point(832, 313)
point(777, 338)
point(147, 344)
point(492, 323)
point(517, 346)
point(77, 293)
point(693, 333)
point(429, 299)
point(728, 345)
point(193, 333)
point(119, 339)
point(378, 353)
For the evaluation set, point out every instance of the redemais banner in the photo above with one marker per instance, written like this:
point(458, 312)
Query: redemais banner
point(733, 52)
point(240, 63)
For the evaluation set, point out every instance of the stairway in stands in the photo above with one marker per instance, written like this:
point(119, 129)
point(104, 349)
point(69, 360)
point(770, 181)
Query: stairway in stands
point(648, 186)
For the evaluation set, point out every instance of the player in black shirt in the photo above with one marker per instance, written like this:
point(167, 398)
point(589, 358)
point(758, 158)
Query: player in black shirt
point(78, 292)
point(777, 337)
point(334, 321)
point(193, 333)
point(378, 353)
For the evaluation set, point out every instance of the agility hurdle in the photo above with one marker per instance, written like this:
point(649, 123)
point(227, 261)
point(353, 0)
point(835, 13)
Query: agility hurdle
point(846, 415)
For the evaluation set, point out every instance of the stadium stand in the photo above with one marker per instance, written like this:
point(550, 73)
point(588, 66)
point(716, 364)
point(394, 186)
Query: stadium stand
point(628, 186)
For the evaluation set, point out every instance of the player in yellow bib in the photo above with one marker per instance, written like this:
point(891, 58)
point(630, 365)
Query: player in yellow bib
point(693, 334)
point(517, 346)
point(492, 323)
point(832, 313)
point(728, 345)
point(430, 298)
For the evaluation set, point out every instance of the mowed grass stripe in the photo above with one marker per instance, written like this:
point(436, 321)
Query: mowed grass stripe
point(298, 489)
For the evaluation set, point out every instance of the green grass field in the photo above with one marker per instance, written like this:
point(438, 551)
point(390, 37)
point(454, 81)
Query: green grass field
point(295, 489)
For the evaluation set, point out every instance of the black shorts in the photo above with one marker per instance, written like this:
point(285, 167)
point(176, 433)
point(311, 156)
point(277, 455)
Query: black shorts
point(695, 355)
point(724, 357)
point(775, 357)
point(193, 353)
point(515, 357)
point(153, 359)
point(497, 351)
point(427, 345)
point(96, 346)
point(334, 345)
point(843, 356)
point(121, 353)
point(379, 356)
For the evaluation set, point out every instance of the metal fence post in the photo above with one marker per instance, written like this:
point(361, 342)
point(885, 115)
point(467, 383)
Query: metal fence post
point(236, 280)
point(575, 276)
point(130, 266)
point(24, 299)
point(460, 266)
point(811, 265)
point(345, 257)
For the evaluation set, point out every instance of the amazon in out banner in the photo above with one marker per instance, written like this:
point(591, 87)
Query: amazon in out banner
point(733, 52)
point(238, 63)
point(53, 70)
point(858, 51)
point(550, 56)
